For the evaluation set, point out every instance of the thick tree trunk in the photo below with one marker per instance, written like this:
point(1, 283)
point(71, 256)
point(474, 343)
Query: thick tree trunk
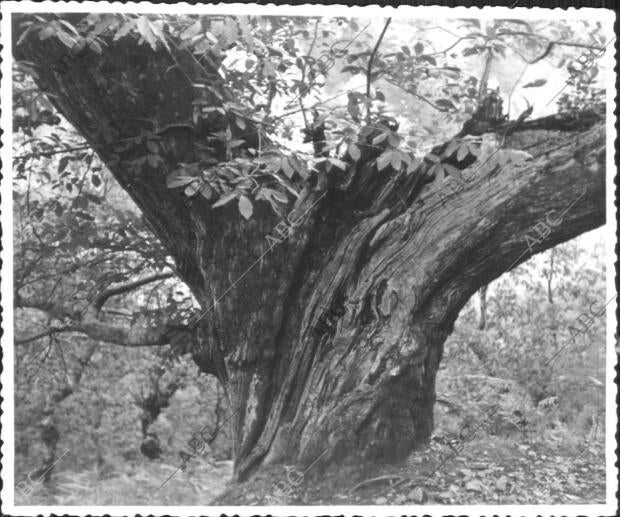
point(327, 344)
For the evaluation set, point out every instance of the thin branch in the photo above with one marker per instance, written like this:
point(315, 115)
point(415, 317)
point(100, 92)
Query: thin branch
point(47, 154)
point(48, 332)
point(101, 298)
point(449, 48)
point(389, 478)
point(128, 337)
point(303, 72)
point(550, 45)
point(417, 96)
point(370, 62)
point(484, 80)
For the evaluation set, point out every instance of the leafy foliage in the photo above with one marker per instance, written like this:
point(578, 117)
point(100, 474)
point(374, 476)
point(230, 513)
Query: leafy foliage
point(248, 73)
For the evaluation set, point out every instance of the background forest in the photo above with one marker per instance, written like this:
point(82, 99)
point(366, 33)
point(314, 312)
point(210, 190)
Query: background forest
point(99, 421)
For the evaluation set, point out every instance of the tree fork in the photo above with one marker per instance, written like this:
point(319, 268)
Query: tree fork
point(389, 281)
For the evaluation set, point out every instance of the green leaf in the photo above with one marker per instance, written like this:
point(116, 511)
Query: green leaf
point(475, 149)
point(202, 46)
point(226, 198)
point(405, 157)
point(535, 84)
point(280, 196)
point(393, 139)
point(274, 52)
point(206, 191)
point(175, 180)
point(47, 32)
point(463, 152)
point(445, 103)
point(380, 138)
point(352, 69)
point(384, 160)
point(144, 29)
point(152, 146)
point(152, 160)
point(66, 39)
point(157, 28)
point(191, 31)
point(193, 188)
point(437, 169)
point(245, 207)
point(268, 69)
point(395, 161)
point(95, 46)
point(70, 27)
point(452, 170)
point(413, 166)
point(452, 146)
point(470, 51)
point(418, 48)
point(338, 163)
point(286, 168)
point(352, 106)
point(124, 30)
point(62, 164)
point(354, 151)
point(275, 194)
point(235, 143)
point(298, 165)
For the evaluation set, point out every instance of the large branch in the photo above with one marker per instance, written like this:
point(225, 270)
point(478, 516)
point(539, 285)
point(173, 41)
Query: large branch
point(520, 211)
point(463, 236)
point(88, 321)
point(579, 121)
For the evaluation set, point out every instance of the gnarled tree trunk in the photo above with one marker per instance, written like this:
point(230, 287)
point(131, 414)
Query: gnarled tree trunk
point(328, 342)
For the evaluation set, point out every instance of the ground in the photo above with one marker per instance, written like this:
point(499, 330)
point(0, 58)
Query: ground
point(488, 471)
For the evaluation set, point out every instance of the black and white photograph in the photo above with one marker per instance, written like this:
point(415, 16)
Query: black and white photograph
point(307, 260)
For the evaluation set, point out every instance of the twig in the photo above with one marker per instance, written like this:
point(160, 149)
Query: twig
point(449, 48)
point(514, 87)
point(370, 62)
point(550, 45)
point(376, 480)
point(303, 72)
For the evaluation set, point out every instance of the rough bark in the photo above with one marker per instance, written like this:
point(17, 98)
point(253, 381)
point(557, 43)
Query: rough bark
point(328, 344)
